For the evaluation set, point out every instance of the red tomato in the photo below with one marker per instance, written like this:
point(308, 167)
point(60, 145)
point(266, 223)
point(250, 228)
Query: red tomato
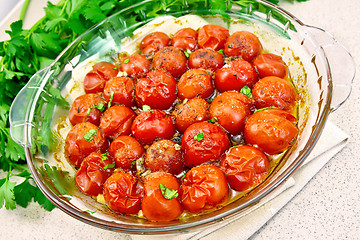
point(203, 188)
point(193, 111)
point(120, 90)
point(185, 39)
point(207, 59)
point(136, 66)
point(268, 64)
point(235, 76)
point(93, 173)
point(272, 130)
point(87, 108)
point(83, 139)
point(153, 42)
point(245, 167)
point(122, 193)
point(125, 150)
point(154, 205)
point(95, 80)
point(164, 155)
point(274, 91)
point(157, 90)
point(151, 125)
point(231, 110)
point(170, 59)
point(212, 36)
point(117, 121)
point(195, 83)
point(243, 44)
point(203, 142)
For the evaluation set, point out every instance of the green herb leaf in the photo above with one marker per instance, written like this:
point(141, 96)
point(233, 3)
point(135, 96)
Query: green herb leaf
point(168, 193)
point(199, 137)
point(112, 165)
point(99, 106)
point(261, 109)
point(111, 98)
point(91, 212)
point(246, 91)
point(127, 60)
point(105, 156)
point(89, 135)
point(187, 53)
point(146, 108)
point(213, 120)
point(221, 51)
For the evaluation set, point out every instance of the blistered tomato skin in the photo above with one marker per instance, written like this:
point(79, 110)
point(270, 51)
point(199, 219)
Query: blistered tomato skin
point(272, 130)
point(268, 64)
point(243, 44)
point(106, 70)
point(164, 155)
point(203, 188)
point(235, 76)
point(207, 59)
point(212, 36)
point(185, 39)
point(95, 80)
point(136, 66)
point(120, 90)
point(195, 83)
point(170, 59)
point(157, 90)
point(125, 150)
point(83, 109)
point(151, 125)
point(153, 42)
point(231, 110)
point(203, 142)
point(245, 167)
point(83, 139)
point(274, 91)
point(122, 193)
point(155, 206)
point(117, 121)
point(92, 174)
point(193, 111)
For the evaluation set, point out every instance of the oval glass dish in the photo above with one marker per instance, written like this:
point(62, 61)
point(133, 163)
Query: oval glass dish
point(315, 61)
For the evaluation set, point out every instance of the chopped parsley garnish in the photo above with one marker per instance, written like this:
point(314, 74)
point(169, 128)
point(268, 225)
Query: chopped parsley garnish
point(127, 60)
point(99, 106)
point(246, 91)
point(105, 156)
point(221, 51)
point(89, 135)
point(213, 120)
point(146, 108)
point(112, 165)
point(111, 98)
point(261, 109)
point(199, 137)
point(168, 193)
point(187, 53)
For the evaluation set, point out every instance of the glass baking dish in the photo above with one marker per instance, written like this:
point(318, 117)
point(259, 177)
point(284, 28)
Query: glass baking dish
point(322, 71)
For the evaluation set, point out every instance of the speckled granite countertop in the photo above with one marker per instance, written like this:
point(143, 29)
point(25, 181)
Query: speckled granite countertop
point(329, 205)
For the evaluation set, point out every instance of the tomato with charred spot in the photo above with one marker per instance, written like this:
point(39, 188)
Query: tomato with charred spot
point(206, 59)
point(195, 83)
point(170, 59)
point(243, 44)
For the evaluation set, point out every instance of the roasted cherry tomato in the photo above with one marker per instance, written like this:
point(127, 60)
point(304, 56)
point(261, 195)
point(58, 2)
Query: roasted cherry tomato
point(164, 155)
point(203, 142)
point(117, 121)
point(212, 36)
point(126, 150)
point(170, 59)
point(274, 91)
point(120, 90)
point(231, 110)
point(153, 42)
point(87, 108)
point(204, 187)
point(151, 125)
point(95, 80)
point(185, 39)
point(272, 130)
point(136, 66)
point(83, 139)
point(93, 172)
point(207, 59)
point(123, 193)
point(193, 111)
point(160, 202)
point(235, 75)
point(245, 167)
point(195, 83)
point(157, 90)
point(243, 44)
point(268, 64)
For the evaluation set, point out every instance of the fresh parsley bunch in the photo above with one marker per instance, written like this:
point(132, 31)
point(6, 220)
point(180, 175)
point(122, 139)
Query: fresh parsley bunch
point(29, 50)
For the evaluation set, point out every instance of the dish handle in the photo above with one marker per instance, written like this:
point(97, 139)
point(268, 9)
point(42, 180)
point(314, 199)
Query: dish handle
point(22, 106)
point(341, 63)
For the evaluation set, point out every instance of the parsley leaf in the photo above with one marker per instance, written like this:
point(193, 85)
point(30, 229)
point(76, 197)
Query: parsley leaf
point(246, 91)
point(168, 193)
point(112, 165)
point(89, 135)
point(261, 109)
point(199, 137)
point(7, 196)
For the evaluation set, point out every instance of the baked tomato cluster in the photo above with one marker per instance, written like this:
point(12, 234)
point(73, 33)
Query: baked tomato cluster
point(183, 122)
